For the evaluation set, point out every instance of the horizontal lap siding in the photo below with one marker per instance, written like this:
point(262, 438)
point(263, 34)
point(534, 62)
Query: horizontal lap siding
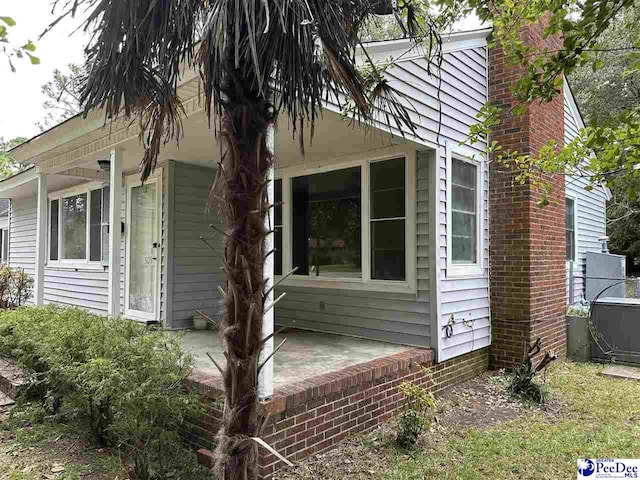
point(86, 289)
point(196, 268)
point(463, 299)
point(392, 317)
point(22, 236)
point(591, 220)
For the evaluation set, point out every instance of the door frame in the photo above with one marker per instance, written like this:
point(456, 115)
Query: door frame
point(131, 182)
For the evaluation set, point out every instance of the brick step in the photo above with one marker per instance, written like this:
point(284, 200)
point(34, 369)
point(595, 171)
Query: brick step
point(12, 378)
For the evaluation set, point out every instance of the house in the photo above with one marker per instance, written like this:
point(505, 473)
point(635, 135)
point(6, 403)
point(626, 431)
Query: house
point(4, 230)
point(390, 230)
point(586, 211)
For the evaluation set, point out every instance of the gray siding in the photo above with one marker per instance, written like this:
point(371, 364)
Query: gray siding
point(443, 118)
point(196, 269)
point(462, 299)
point(591, 221)
point(22, 235)
point(78, 288)
point(394, 317)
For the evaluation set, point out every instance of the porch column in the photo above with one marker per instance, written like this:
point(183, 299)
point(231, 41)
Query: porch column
point(115, 204)
point(41, 240)
point(265, 379)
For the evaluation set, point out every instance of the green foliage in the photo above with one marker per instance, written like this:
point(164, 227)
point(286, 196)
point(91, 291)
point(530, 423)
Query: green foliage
point(578, 311)
point(121, 379)
point(523, 384)
point(63, 96)
point(8, 166)
point(18, 51)
point(16, 287)
point(415, 415)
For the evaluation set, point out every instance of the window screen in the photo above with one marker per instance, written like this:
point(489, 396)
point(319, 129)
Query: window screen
point(387, 217)
point(571, 229)
point(53, 229)
point(464, 212)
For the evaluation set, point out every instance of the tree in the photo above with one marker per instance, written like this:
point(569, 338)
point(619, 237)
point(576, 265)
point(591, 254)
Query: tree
point(8, 166)
point(603, 95)
point(63, 93)
point(10, 50)
point(256, 58)
point(259, 58)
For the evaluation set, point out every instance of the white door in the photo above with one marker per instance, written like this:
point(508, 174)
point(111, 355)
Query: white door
point(143, 250)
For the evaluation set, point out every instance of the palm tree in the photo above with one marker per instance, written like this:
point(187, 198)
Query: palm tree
point(257, 59)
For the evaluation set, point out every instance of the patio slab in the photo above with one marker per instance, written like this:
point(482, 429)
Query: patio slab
point(621, 371)
point(305, 355)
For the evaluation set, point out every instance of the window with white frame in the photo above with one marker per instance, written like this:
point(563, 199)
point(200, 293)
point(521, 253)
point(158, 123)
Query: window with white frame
point(570, 228)
point(79, 226)
point(347, 223)
point(4, 245)
point(464, 217)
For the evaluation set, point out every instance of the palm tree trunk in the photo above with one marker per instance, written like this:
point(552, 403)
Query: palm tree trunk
point(241, 193)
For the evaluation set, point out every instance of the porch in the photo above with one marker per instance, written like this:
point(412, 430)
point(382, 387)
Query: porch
point(305, 354)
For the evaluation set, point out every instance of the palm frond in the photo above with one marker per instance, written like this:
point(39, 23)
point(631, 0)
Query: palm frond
point(266, 56)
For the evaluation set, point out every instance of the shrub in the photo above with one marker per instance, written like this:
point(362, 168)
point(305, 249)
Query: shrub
point(578, 311)
point(415, 415)
point(121, 378)
point(16, 287)
point(522, 383)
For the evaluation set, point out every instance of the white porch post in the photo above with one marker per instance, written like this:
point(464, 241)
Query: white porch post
point(115, 203)
point(265, 379)
point(41, 239)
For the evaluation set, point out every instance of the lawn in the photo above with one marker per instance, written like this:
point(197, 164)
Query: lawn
point(481, 433)
point(32, 448)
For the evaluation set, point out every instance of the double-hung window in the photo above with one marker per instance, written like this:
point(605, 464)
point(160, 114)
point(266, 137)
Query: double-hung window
point(79, 227)
point(4, 245)
point(464, 219)
point(347, 224)
point(570, 229)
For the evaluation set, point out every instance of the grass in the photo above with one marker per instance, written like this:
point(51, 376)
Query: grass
point(31, 448)
point(600, 418)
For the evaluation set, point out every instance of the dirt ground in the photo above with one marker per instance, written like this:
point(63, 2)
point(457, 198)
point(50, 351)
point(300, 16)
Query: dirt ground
point(479, 403)
point(51, 452)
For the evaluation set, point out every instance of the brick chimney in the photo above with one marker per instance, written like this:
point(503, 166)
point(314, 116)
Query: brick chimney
point(527, 242)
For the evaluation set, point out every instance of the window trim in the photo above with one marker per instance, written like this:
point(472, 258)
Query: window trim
point(74, 264)
point(459, 270)
point(286, 174)
point(573, 197)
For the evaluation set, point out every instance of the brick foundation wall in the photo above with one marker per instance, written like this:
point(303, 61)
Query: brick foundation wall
point(314, 415)
point(527, 247)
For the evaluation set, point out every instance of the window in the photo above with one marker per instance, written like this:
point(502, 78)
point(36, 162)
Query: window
point(387, 218)
point(327, 224)
point(463, 217)
point(277, 267)
point(4, 245)
point(464, 212)
point(99, 220)
point(349, 225)
point(570, 227)
point(74, 227)
point(79, 227)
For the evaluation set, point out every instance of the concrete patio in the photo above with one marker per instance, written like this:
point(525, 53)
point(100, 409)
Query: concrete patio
point(305, 354)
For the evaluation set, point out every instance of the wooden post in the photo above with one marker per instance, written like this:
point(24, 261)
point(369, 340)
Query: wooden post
point(115, 204)
point(41, 239)
point(265, 379)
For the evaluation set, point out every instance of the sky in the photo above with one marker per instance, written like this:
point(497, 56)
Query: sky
point(20, 96)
